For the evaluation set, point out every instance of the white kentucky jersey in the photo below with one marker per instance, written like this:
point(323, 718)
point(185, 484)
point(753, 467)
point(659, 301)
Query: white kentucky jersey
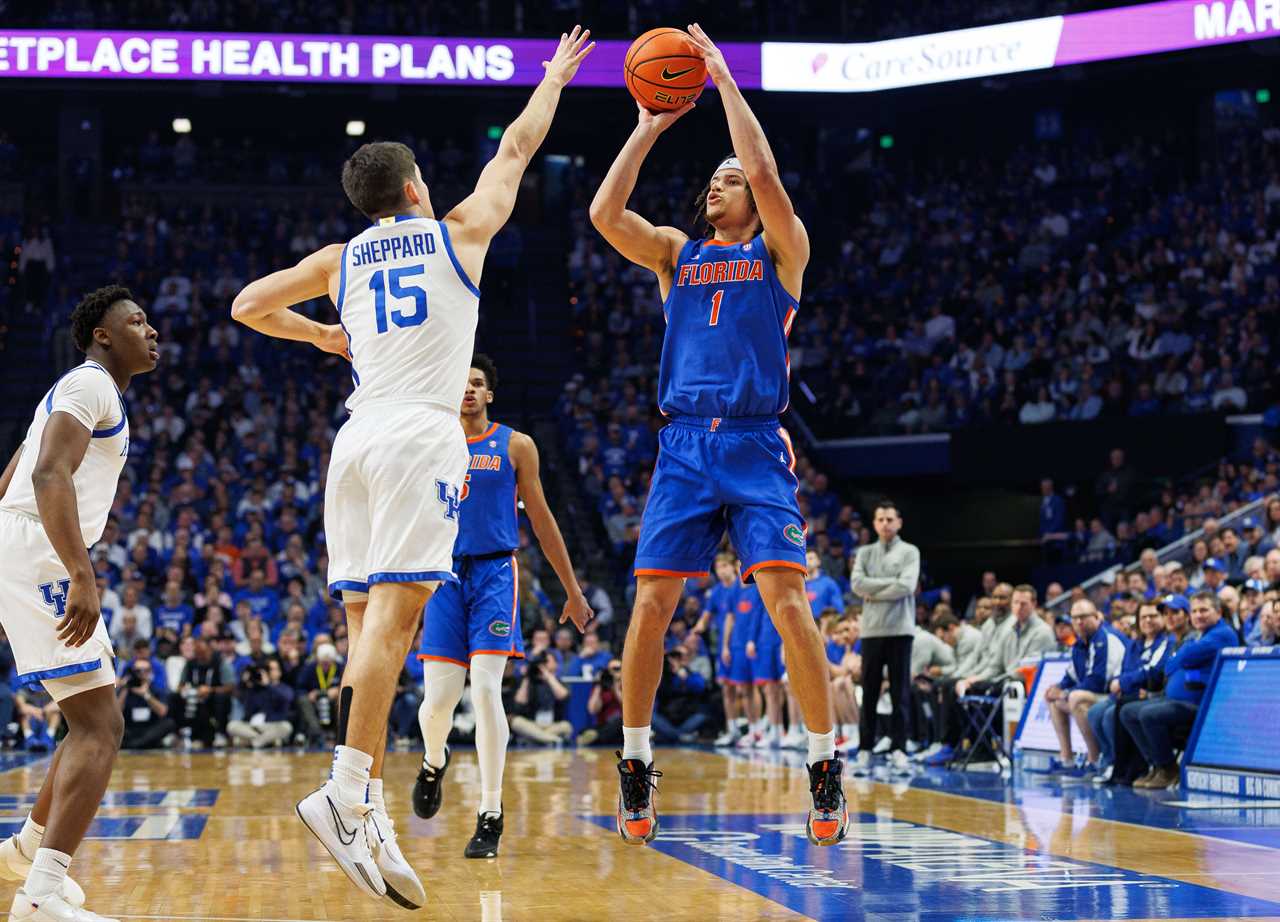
point(90, 395)
point(409, 312)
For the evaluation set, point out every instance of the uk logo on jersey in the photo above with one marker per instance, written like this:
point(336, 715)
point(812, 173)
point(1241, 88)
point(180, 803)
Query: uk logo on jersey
point(447, 493)
point(55, 596)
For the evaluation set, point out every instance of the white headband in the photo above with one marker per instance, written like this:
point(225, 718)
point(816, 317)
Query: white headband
point(730, 163)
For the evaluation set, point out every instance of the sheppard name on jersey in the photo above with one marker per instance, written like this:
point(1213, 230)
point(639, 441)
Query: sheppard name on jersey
point(736, 270)
point(376, 251)
point(486, 462)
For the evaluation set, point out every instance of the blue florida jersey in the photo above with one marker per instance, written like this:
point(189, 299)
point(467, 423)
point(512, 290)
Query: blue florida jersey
point(487, 522)
point(720, 602)
point(725, 350)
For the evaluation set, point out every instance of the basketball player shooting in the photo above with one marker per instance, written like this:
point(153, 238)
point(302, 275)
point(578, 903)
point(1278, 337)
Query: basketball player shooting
point(729, 299)
point(406, 295)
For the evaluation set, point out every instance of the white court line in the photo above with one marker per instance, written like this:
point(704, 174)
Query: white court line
point(208, 918)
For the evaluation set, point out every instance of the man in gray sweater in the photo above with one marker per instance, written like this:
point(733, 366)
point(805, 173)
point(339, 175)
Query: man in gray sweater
point(885, 575)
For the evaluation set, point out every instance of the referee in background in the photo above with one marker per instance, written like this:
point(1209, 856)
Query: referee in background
point(885, 575)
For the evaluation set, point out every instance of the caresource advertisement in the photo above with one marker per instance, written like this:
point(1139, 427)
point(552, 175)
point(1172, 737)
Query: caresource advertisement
point(1015, 47)
point(315, 58)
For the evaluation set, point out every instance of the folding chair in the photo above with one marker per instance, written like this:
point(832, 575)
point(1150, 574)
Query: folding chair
point(982, 714)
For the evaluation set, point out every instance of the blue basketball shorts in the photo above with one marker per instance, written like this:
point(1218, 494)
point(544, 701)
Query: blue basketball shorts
point(712, 474)
point(738, 671)
point(480, 613)
point(767, 665)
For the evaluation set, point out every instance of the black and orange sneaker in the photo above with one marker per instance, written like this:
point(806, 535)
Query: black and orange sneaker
point(829, 817)
point(637, 815)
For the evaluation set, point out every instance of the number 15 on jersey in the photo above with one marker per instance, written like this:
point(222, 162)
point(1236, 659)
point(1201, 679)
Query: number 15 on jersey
point(391, 283)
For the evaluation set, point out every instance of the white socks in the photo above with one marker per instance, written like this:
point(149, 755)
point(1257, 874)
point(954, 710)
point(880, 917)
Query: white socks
point(491, 802)
point(48, 871)
point(822, 746)
point(351, 775)
point(375, 796)
point(30, 838)
point(635, 744)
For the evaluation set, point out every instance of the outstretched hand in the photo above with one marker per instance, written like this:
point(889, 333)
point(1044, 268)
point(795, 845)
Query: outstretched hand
point(569, 55)
point(661, 121)
point(577, 610)
point(717, 69)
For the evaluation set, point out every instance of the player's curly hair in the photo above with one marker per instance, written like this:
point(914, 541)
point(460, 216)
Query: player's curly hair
point(88, 314)
point(374, 177)
point(700, 206)
point(485, 364)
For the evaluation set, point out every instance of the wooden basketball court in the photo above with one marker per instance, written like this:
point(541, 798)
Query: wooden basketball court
point(214, 837)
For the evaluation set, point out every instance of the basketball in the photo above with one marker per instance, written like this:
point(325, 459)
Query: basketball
point(664, 70)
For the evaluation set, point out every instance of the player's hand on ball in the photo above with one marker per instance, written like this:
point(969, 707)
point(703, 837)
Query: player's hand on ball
point(82, 614)
point(570, 53)
point(717, 69)
point(661, 121)
point(334, 339)
point(578, 611)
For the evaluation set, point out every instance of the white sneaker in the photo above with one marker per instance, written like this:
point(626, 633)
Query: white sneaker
point(341, 829)
point(882, 746)
point(727, 738)
point(52, 908)
point(795, 739)
point(861, 767)
point(748, 740)
point(926, 753)
point(770, 739)
point(404, 889)
point(899, 764)
point(15, 866)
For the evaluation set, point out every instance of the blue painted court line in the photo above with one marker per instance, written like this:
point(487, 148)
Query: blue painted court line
point(136, 828)
point(893, 871)
point(1242, 821)
point(176, 799)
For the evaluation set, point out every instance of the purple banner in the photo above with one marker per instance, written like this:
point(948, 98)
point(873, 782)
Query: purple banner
point(1135, 30)
point(315, 58)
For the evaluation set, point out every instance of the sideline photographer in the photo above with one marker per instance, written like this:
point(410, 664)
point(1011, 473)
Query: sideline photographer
point(267, 705)
point(146, 717)
point(540, 702)
point(605, 707)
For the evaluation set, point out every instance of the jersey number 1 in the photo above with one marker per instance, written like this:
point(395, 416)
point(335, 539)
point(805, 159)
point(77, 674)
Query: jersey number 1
point(715, 306)
point(379, 282)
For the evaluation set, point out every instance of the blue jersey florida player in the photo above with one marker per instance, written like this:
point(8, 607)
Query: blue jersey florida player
point(741, 707)
point(475, 623)
point(729, 298)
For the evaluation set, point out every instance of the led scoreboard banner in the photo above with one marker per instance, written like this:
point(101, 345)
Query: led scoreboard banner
point(985, 51)
point(1234, 747)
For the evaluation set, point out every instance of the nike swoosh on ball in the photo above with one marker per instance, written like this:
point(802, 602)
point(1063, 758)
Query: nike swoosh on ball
point(670, 75)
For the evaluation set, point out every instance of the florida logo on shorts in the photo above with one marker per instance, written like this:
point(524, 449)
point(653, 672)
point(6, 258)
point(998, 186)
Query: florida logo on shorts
point(500, 628)
point(794, 534)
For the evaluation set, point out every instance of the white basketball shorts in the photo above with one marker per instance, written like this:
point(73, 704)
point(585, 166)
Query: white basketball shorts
point(392, 496)
point(33, 598)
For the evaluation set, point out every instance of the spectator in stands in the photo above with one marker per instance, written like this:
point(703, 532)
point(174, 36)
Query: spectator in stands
point(1141, 673)
point(132, 605)
point(1237, 552)
point(146, 716)
point(1096, 659)
point(1053, 524)
point(1267, 633)
point(1064, 633)
point(540, 702)
point(1155, 723)
point(267, 703)
point(1215, 574)
point(885, 576)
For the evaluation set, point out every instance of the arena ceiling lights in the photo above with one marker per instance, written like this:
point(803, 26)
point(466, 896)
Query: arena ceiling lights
point(987, 51)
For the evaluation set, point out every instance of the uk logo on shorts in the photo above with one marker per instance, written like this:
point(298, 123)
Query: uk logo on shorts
point(794, 534)
point(447, 493)
point(57, 600)
point(500, 628)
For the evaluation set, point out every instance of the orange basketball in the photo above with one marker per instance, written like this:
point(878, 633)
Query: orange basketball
point(664, 70)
